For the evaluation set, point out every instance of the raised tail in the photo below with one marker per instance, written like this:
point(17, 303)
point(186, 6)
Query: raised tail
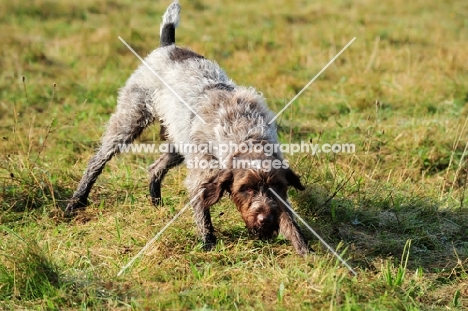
point(169, 24)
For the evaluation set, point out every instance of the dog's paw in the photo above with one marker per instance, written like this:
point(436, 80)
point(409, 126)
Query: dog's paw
point(305, 250)
point(209, 242)
point(157, 201)
point(155, 193)
point(74, 205)
point(301, 247)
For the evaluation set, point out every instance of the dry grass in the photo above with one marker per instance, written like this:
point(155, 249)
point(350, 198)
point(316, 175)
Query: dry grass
point(399, 93)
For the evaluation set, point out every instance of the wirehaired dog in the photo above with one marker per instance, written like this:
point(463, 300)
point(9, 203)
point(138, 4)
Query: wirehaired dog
point(211, 110)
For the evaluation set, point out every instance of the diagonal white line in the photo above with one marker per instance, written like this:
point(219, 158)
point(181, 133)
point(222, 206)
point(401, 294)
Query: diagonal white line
point(161, 79)
point(158, 234)
point(314, 233)
point(312, 81)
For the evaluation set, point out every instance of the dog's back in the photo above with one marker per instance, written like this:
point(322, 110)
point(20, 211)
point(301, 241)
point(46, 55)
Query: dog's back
point(187, 73)
point(195, 78)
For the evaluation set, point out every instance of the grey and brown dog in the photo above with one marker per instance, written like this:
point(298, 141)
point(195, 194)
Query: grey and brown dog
point(214, 111)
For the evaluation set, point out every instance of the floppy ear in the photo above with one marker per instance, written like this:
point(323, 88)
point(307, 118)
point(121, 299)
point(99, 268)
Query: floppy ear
point(216, 186)
point(294, 180)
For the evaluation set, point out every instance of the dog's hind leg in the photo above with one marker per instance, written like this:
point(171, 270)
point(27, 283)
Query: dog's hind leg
point(132, 116)
point(158, 170)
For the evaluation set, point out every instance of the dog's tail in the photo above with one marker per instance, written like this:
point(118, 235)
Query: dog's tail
point(169, 24)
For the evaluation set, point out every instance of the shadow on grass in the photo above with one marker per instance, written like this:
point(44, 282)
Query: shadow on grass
point(30, 187)
point(22, 198)
point(29, 274)
point(379, 224)
point(27, 194)
point(26, 272)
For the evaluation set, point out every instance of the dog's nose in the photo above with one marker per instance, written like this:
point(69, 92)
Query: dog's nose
point(264, 219)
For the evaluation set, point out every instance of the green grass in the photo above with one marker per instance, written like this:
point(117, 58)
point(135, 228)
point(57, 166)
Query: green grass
point(397, 209)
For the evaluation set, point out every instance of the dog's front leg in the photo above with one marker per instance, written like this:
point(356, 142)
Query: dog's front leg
point(216, 182)
point(292, 232)
point(204, 225)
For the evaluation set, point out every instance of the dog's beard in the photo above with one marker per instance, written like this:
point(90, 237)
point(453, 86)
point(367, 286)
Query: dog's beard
point(263, 233)
point(263, 224)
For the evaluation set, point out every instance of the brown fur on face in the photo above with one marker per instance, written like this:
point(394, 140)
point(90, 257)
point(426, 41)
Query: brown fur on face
point(248, 188)
point(258, 209)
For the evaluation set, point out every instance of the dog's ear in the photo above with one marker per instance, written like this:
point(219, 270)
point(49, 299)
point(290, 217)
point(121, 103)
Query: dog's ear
point(294, 180)
point(215, 187)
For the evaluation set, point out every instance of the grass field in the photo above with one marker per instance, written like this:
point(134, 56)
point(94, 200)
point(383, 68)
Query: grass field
point(396, 209)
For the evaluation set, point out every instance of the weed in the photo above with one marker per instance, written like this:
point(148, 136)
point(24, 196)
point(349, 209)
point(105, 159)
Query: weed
point(396, 278)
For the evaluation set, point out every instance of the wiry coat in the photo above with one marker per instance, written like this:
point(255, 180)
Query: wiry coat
point(215, 111)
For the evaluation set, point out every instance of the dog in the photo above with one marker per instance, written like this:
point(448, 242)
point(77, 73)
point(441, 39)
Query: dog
point(198, 105)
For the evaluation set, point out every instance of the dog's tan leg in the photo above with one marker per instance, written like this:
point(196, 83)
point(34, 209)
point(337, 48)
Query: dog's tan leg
point(291, 231)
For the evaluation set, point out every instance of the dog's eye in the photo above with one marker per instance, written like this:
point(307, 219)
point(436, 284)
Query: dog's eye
point(249, 190)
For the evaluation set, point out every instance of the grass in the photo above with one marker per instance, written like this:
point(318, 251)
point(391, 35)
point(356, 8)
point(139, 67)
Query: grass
point(396, 209)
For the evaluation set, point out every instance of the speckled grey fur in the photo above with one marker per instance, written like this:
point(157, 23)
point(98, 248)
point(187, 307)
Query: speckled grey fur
point(232, 114)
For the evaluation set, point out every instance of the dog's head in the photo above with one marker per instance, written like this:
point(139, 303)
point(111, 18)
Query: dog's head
point(249, 190)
